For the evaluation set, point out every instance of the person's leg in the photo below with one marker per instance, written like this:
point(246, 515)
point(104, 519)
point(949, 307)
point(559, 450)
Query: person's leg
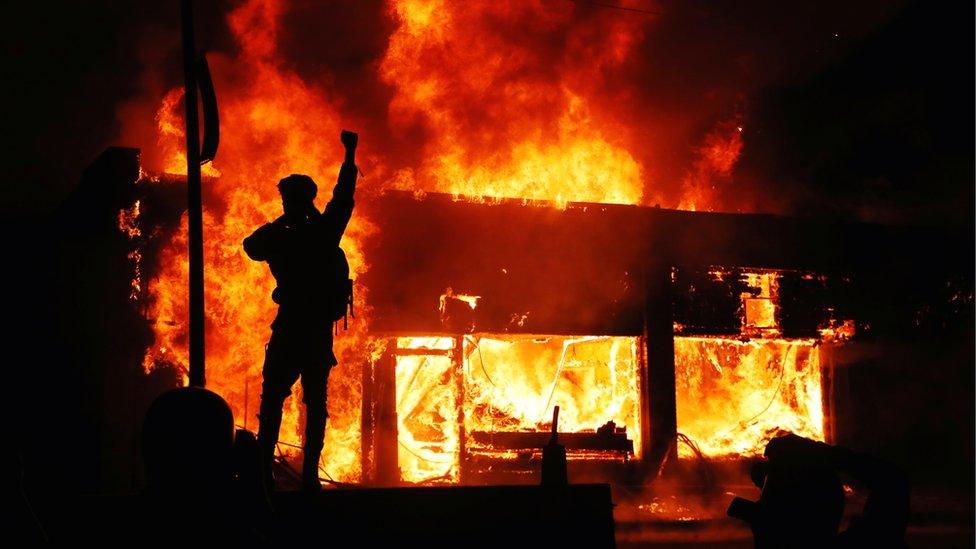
point(270, 424)
point(314, 389)
point(278, 377)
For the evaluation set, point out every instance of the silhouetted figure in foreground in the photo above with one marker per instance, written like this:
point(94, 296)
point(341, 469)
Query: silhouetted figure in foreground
point(302, 250)
point(802, 501)
point(199, 470)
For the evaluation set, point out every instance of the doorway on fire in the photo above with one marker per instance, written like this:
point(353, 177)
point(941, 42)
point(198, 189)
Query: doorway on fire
point(482, 402)
point(733, 396)
point(747, 355)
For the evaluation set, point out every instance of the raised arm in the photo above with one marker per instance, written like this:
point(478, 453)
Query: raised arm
point(339, 210)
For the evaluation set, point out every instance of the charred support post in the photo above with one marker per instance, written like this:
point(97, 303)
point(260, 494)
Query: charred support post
point(366, 449)
point(835, 381)
point(385, 417)
point(194, 210)
point(645, 410)
point(458, 359)
point(659, 339)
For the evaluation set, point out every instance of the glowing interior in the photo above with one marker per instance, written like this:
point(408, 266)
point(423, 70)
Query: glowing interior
point(509, 384)
point(734, 396)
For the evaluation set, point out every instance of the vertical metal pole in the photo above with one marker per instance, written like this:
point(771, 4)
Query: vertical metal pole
point(194, 209)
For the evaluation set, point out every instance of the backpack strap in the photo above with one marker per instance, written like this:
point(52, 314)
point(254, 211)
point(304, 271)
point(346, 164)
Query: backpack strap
point(349, 310)
point(352, 311)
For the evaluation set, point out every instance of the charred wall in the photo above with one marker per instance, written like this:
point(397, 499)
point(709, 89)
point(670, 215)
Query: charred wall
point(81, 389)
point(537, 270)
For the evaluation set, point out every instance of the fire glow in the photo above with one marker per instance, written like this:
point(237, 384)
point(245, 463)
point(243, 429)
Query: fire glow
point(734, 396)
point(508, 384)
point(549, 139)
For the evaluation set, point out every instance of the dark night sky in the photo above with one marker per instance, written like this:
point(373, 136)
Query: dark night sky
point(855, 111)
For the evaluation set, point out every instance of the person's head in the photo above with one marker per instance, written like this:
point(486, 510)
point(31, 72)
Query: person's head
point(187, 442)
point(297, 194)
point(799, 506)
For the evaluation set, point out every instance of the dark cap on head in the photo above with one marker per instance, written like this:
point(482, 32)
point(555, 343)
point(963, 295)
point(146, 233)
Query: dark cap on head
point(297, 187)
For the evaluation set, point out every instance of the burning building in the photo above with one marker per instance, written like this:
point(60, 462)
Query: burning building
point(661, 334)
point(517, 265)
point(603, 310)
point(512, 259)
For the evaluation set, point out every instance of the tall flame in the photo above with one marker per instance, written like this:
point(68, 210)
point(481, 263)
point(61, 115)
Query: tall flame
point(501, 121)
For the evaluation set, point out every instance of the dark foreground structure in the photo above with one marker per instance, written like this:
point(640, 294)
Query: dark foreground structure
point(520, 516)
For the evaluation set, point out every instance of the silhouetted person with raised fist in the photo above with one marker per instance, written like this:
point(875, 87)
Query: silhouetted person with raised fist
point(313, 291)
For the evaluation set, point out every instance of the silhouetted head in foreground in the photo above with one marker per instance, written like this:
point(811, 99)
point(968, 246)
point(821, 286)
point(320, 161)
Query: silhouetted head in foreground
point(802, 500)
point(799, 506)
point(297, 195)
point(187, 442)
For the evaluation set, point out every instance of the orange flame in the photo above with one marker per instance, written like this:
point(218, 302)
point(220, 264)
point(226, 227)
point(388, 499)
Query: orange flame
point(508, 384)
point(714, 166)
point(129, 225)
point(501, 123)
point(273, 125)
point(734, 396)
point(512, 383)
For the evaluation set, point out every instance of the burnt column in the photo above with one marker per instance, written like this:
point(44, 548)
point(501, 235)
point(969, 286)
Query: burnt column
point(366, 450)
point(385, 417)
point(659, 341)
point(457, 358)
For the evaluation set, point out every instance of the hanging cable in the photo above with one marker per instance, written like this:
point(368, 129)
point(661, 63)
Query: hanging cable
point(779, 385)
point(615, 7)
point(482, 360)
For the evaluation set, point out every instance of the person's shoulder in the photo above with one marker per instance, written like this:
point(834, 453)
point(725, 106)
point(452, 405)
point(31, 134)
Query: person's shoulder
point(264, 231)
